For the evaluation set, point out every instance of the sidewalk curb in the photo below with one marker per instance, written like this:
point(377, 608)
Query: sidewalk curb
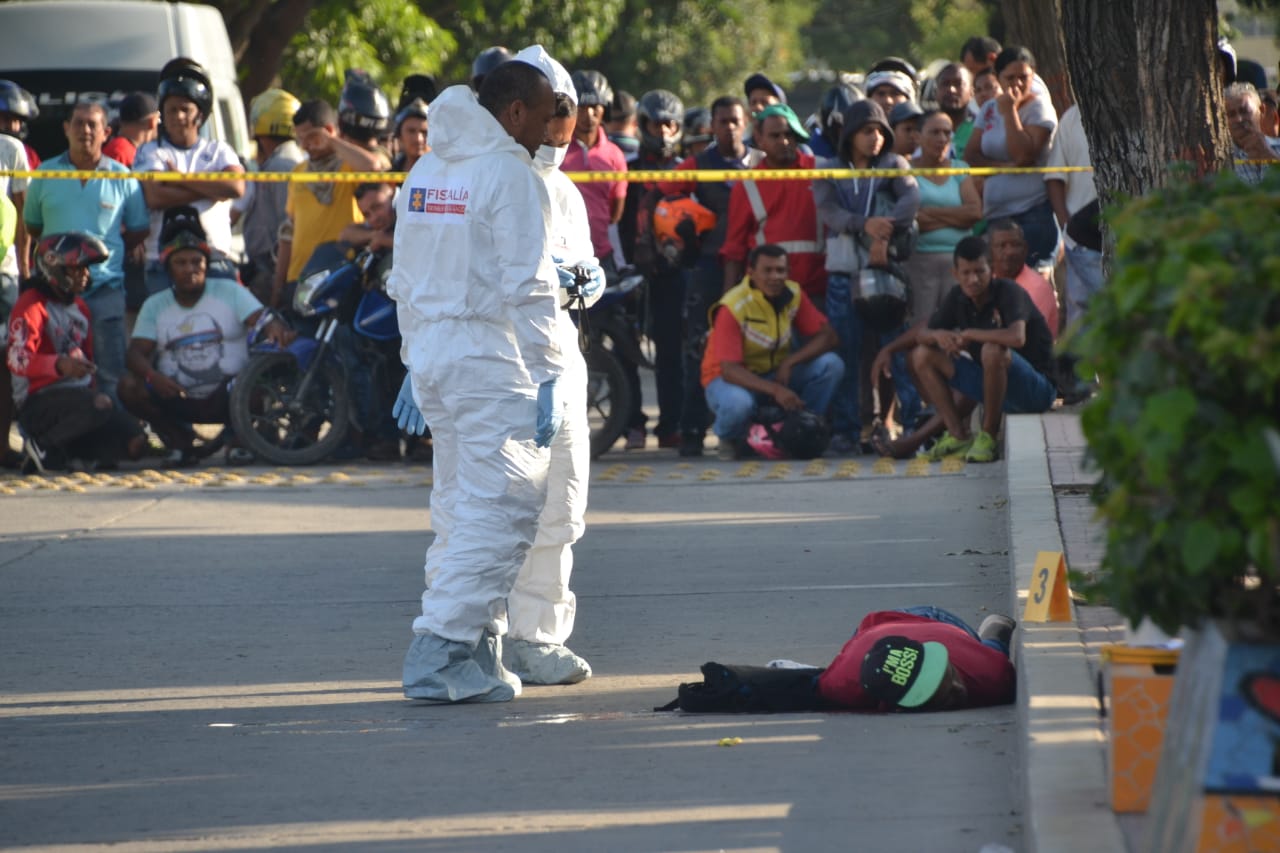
point(1065, 801)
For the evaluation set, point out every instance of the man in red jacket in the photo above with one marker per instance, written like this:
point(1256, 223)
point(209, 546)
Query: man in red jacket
point(50, 354)
point(779, 212)
point(922, 659)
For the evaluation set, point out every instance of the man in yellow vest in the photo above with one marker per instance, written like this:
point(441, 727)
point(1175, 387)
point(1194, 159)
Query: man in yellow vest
point(768, 344)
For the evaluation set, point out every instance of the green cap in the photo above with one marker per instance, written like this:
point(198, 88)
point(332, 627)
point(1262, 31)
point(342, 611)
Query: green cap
point(793, 121)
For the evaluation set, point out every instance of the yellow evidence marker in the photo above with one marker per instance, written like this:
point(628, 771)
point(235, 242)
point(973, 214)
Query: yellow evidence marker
point(1049, 598)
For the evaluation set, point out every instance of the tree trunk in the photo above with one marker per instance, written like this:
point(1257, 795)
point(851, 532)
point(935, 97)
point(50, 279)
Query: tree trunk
point(1037, 26)
point(1150, 92)
point(265, 53)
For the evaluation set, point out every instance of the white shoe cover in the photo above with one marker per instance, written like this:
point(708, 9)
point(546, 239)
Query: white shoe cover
point(440, 670)
point(546, 663)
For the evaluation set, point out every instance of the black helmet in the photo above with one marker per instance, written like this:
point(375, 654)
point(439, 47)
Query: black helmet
point(593, 89)
point(659, 105)
point(417, 108)
point(894, 63)
point(489, 59)
point(17, 101)
point(695, 119)
point(186, 77)
point(882, 298)
point(835, 101)
point(798, 434)
point(417, 87)
point(363, 111)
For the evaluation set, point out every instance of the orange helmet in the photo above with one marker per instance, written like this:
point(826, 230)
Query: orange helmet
point(678, 225)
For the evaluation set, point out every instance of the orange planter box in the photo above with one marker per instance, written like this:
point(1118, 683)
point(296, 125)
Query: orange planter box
point(1139, 683)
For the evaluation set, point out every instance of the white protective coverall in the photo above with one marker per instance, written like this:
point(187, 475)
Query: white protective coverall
point(477, 299)
point(541, 605)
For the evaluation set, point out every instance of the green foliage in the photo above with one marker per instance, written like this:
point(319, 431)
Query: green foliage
point(568, 29)
point(390, 39)
point(849, 35)
point(701, 48)
point(1186, 341)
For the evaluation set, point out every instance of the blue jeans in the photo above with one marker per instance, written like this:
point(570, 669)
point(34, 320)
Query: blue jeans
point(106, 308)
point(1029, 391)
point(937, 614)
point(1040, 229)
point(735, 406)
point(842, 314)
point(1084, 278)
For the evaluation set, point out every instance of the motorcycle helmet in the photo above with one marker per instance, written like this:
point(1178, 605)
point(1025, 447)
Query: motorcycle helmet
point(56, 252)
point(417, 108)
point(363, 111)
point(882, 299)
point(593, 89)
point(489, 59)
point(17, 101)
point(182, 229)
point(417, 87)
point(271, 114)
point(894, 63)
point(799, 434)
point(678, 225)
point(659, 105)
point(186, 77)
point(696, 119)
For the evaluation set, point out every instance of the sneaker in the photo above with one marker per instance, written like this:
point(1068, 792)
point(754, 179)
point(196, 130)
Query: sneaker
point(669, 441)
point(726, 452)
point(983, 448)
point(690, 444)
point(844, 445)
point(386, 450)
point(635, 438)
point(997, 627)
point(949, 445)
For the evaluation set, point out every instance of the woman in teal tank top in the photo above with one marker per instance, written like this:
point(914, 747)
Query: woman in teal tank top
point(949, 207)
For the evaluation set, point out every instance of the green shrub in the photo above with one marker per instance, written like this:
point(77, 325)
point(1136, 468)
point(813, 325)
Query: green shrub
point(1185, 339)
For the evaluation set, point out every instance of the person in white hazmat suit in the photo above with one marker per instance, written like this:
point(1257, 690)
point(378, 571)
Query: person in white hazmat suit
point(477, 299)
point(541, 607)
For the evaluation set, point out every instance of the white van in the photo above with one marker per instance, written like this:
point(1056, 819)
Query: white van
point(62, 51)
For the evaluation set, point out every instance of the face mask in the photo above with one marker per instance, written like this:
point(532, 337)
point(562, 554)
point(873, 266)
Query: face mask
point(548, 158)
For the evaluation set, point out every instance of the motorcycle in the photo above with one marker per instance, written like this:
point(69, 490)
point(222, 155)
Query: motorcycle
point(614, 331)
point(294, 406)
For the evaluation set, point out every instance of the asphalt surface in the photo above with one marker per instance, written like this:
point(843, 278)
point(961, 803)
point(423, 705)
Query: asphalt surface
point(212, 662)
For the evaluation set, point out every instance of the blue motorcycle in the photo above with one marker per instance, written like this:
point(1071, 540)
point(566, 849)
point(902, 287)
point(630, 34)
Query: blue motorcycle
point(294, 406)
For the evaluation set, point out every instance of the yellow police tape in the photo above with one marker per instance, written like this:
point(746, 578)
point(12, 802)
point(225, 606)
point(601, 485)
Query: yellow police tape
point(674, 176)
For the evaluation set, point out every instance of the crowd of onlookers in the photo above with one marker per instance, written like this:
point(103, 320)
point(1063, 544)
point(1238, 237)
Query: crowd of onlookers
point(137, 298)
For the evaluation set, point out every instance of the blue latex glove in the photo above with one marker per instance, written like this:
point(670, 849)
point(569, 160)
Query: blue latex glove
point(406, 412)
point(595, 283)
point(550, 413)
point(567, 278)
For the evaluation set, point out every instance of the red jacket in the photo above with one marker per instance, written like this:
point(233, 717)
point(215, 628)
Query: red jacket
point(791, 220)
point(987, 674)
point(40, 331)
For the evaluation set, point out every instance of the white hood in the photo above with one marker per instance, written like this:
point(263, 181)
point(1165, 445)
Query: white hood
point(462, 129)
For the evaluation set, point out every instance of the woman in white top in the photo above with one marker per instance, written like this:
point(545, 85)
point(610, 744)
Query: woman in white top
point(1015, 130)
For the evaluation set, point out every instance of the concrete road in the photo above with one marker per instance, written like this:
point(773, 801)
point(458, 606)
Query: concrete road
point(212, 663)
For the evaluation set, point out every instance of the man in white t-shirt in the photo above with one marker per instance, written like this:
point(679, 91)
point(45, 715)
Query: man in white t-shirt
point(186, 98)
point(189, 341)
point(1069, 193)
